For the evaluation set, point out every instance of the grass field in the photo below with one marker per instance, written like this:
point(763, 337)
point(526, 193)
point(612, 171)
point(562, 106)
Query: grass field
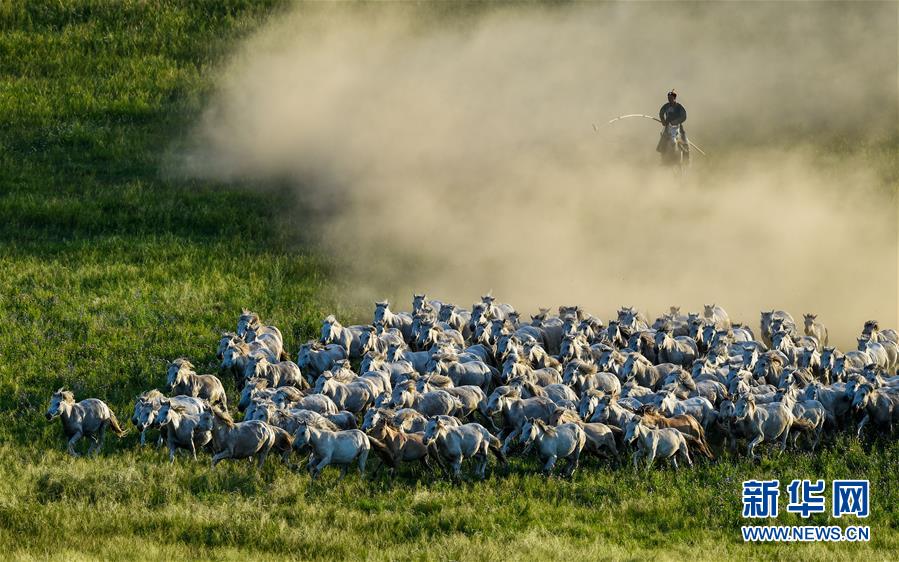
point(110, 268)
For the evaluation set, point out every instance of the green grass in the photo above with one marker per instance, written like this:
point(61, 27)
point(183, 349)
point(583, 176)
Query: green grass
point(110, 268)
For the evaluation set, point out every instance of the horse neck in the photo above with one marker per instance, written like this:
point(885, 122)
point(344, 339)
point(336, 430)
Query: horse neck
point(391, 434)
point(190, 379)
point(641, 431)
point(220, 428)
point(416, 397)
point(506, 404)
point(668, 403)
point(788, 400)
point(332, 387)
point(314, 434)
point(174, 419)
point(751, 410)
point(66, 409)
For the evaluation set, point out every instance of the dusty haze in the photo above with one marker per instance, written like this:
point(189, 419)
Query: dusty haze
point(453, 153)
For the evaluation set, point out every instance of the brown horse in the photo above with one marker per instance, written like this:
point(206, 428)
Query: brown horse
point(684, 423)
point(402, 447)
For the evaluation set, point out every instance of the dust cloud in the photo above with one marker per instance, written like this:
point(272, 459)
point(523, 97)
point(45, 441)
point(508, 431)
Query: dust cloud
point(449, 148)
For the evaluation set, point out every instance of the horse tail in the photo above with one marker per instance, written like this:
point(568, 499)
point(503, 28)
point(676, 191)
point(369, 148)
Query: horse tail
point(283, 439)
point(618, 434)
point(495, 376)
point(829, 420)
point(804, 425)
point(496, 447)
point(382, 451)
point(699, 445)
point(114, 425)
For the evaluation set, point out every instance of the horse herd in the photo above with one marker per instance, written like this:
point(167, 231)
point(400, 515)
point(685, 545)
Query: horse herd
point(442, 385)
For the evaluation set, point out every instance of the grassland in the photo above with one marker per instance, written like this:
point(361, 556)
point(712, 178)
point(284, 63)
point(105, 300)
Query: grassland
point(110, 268)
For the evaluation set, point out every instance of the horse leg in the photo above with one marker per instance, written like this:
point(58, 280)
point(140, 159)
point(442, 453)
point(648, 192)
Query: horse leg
point(651, 455)
point(263, 455)
point(456, 464)
point(363, 458)
point(509, 439)
point(638, 454)
point(71, 446)
point(172, 452)
point(326, 460)
point(673, 459)
point(193, 449)
point(489, 421)
point(481, 468)
point(93, 447)
point(752, 445)
point(219, 456)
point(143, 437)
point(686, 452)
point(783, 442)
point(572, 464)
point(861, 425)
point(548, 467)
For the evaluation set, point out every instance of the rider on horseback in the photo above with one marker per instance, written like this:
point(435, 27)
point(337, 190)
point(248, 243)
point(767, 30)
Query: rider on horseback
point(673, 113)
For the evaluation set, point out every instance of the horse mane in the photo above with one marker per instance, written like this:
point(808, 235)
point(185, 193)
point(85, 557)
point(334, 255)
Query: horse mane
point(586, 368)
point(509, 391)
point(330, 319)
point(648, 410)
point(183, 362)
point(150, 395)
point(387, 421)
point(67, 395)
point(177, 408)
point(223, 416)
point(545, 427)
point(257, 382)
point(686, 379)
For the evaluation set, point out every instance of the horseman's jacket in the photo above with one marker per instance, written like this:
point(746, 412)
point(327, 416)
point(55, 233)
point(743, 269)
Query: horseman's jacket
point(672, 113)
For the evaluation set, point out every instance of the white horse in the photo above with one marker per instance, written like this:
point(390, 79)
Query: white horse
point(347, 337)
point(88, 418)
point(565, 441)
point(656, 443)
point(455, 444)
point(333, 447)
